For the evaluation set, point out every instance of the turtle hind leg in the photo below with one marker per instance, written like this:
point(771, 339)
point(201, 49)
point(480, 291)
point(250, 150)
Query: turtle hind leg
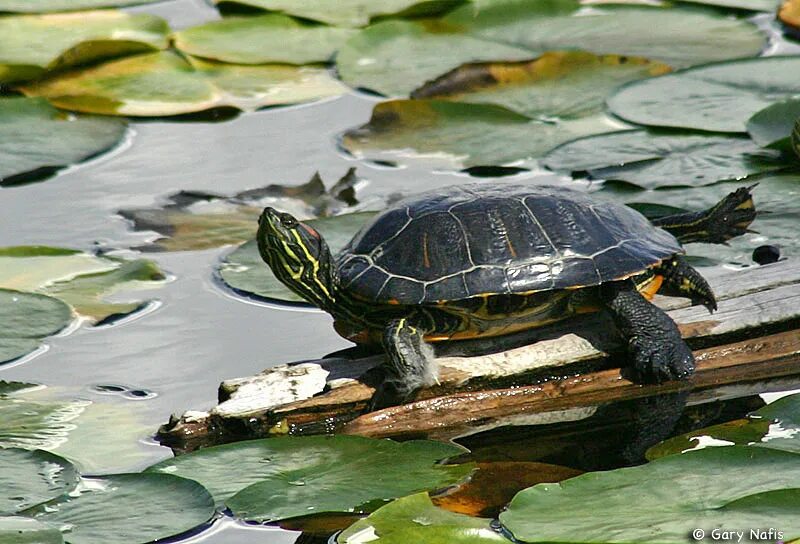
point(410, 363)
point(681, 280)
point(729, 218)
point(656, 349)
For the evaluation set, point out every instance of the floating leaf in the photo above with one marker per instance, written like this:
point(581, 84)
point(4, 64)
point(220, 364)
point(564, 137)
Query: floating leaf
point(32, 424)
point(395, 57)
point(8, 388)
point(773, 125)
point(192, 220)
point(664, 500)
point(651, 159)
point(30, 477)
point(719, 97)
point(796, 138)
point(161, 84)
point(36, 139)
point(35, 44)
point(244, 270)
point(416, 519)
point(19, 530)
point(775, 426)
point(261, 40)
point(128, 509)
point(81, 280)
point(41, 6)
point(462, 135)
point(278, 478)
point(27, 318)
point(563, 85)
point(348, 12)
point(747, 5)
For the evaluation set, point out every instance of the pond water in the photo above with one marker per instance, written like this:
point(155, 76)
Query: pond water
point(199, 332)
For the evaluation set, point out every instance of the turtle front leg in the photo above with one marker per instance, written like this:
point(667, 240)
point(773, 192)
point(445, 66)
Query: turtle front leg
point(656, 349)
point(681, 280)
point(410, 363)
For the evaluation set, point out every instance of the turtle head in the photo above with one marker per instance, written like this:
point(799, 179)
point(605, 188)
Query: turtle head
point(297, 255)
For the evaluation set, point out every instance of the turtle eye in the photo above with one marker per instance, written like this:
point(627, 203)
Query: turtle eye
point(287, 221)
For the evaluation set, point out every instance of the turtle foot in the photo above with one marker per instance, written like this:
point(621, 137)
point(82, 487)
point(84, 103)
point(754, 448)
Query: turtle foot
point(657, 361)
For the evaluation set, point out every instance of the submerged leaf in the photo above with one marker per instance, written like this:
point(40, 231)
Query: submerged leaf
point(27, 318)
point(245, 271)
point(651, 159)
point(348, 12)
point(35, 44)
point(261, 40)
point(278, 478)
point(41, 6)
point(35, 138)
point(162, 84)
point(128, 509)
point(773, 125)
point(32, 424)
point(30, 477)
point(664, 500)
point(719, 97)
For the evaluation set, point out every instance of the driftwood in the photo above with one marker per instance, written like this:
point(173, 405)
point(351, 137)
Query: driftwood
point(750, 345)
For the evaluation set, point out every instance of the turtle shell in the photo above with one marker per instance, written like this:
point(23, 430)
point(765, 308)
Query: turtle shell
point(481, 239)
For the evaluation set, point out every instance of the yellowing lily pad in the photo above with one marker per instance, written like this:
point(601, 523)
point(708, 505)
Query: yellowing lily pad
point(42, 6)
point(161, 84)
point(261, 40)
point(35, 44)
point(348, 12)
point(36, 139)
point(789, 14)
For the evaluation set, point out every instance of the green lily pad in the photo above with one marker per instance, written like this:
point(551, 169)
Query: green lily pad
point(31, 477)
point(81, 280)
point(19, 530)
point(27, 318)
point(775, 426)
point(261, 40)
point(165, 83)
point(245, 271)
point(396, 57)
point(664, 500)
point(650, 159)
point(796, 138)
point(35, 44)
point(720, 97)
point(462, 135)
point(35, 138)
point(772, 126)
point(747, 5)
point(127, 508)
point(8, 388)
point(348, 12)
point(279, 478)
point(32, 424)
point(42, 6)
point(416, 519)
point(192, 220)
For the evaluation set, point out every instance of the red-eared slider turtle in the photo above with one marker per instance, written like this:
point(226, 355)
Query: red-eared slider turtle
point(488, 259)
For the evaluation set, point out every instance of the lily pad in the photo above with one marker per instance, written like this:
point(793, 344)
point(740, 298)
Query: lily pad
point(36, 139)
point(348, 12)
point(192, 220)
point(462, 135)
point(775, 426)
point(773, 125)
point(30, 477)
point(278, 478)
point(165, 83)
point(27, 318)
point(261, 40)
point(719, 97)
point(128, 508)
point(747, 5)
point(651, 159)
point(396, 57)
point(245, 271)
point(796, 138)
point(42, 6)
point(35, 44)
point(416, 519)
point(9, 388)
point(664, 500)
point(20, 530)
point(81, 280)
point(32, 424)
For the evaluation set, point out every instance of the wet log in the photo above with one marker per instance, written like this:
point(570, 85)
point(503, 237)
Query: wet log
point(750, 345)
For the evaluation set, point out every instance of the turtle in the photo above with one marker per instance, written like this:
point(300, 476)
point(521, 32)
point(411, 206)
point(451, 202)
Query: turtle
point(480, 259)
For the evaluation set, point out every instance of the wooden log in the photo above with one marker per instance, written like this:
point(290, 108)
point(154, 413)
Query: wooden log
point(752, 338)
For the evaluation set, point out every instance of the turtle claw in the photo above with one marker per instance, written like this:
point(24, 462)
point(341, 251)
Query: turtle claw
point(656, 362)
point(389, 393)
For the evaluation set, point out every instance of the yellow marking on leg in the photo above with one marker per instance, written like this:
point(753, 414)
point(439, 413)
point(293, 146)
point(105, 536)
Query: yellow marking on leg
point(425, 258)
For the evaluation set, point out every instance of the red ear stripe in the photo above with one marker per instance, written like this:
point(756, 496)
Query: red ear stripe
point(311, 231)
